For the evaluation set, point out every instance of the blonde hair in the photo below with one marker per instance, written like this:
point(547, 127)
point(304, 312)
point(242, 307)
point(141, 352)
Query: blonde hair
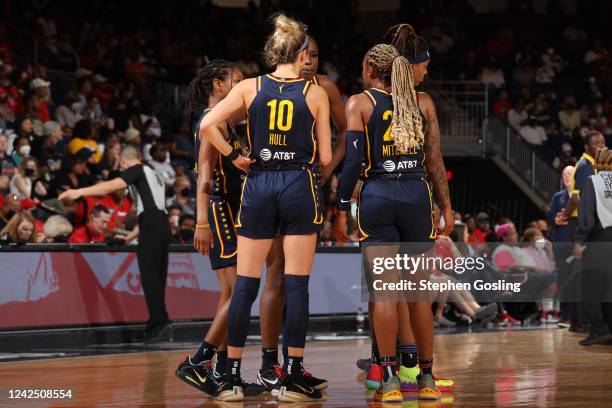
point(407, 125)
point(13, 226)
point(289, 37)
point(603, 159)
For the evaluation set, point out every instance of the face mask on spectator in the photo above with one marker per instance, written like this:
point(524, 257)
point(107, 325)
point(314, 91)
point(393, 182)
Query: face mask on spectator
point(186, 192)
point(29, 172)
point(186, 234)
point(174, 219)
point(540, 243)
point(25, 150)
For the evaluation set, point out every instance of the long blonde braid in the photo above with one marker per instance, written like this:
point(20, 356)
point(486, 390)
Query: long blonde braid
point(406, 126)
point(603, 159)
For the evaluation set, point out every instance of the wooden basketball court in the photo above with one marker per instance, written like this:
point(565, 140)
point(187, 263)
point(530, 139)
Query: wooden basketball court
point(527, 368)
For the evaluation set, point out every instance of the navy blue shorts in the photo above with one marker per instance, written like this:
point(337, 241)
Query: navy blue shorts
point(396, 210)
point(280, 201)
point(221, 216)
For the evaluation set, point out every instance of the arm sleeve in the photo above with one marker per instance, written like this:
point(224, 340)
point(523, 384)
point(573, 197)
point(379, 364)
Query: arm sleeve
point(586, 212)
point(351, 168)
point(131, 175)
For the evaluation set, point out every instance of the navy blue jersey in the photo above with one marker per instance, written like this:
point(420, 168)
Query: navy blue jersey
point(381, 156)
point(280, 126)
point(226, 178)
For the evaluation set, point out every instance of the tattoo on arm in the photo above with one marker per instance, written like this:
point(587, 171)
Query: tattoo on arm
point(434, 163)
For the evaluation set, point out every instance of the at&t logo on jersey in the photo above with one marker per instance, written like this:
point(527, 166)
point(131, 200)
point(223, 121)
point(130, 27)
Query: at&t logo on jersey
point(265, 154)
point(389, 166)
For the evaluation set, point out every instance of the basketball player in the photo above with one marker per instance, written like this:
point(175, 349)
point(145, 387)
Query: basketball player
point(288, 124)
point(272, 298)
point(414, 48)
point(218, 198)
point(147, 190)
point(395, 205)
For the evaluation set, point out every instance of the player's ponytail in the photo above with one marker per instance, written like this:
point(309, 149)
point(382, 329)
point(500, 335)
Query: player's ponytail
point(200, 88)
point(390, 66)
point(407, 126)
point(289, 38)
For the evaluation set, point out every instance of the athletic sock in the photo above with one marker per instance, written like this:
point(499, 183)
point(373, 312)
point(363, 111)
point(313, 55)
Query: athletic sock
point(388, 365)
point(221, 362)
point(205, 352)
point(232, 369)
point(295, 368)
point(375, 353)
point(426, 366)
point(269, 357)
point(408, 355)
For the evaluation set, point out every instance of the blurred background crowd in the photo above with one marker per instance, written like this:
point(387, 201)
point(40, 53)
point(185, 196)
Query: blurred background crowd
point(550, 80)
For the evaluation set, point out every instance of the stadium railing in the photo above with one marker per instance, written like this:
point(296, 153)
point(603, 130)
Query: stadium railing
point(505, 143)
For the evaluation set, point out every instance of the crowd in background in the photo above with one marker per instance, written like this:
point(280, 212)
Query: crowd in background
point(552, 89)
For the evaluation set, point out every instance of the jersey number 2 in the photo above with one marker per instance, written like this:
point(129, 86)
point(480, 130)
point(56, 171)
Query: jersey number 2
point(281, 114)
point(388, 115)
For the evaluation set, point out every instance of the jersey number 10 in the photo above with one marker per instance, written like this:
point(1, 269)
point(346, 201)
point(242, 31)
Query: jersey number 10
point(281, 114)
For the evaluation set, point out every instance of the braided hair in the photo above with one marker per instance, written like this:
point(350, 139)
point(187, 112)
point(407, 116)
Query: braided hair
point(603, 159)
point(390, 66)
point(200, 88)
point(405, 39)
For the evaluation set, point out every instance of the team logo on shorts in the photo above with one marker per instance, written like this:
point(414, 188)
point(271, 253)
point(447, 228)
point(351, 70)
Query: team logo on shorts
point(389, 166)
point(265, 154)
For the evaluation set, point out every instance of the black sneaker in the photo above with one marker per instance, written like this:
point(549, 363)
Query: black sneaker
point(595, 339)
point(197, 375)
point(252, 389)
point(272, 379)
point(298, 391)
point(158, 334)
point(230, 390)
point(318, 384)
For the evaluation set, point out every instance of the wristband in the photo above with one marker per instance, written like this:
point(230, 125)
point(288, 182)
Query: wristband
point(202, 226)
point(233, 155)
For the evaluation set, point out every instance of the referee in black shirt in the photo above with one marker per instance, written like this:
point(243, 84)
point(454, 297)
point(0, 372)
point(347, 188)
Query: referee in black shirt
point(147, 190)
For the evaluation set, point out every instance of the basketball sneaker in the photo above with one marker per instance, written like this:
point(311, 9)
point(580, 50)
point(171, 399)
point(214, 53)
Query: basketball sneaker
point(408, 378)
point(444, 384)
point(272, 379)
point(230, 390)
point(318, 384)
point(197, 375)
point(298, 391)
point(409, 382)
point(389, 391)
point(427, 387)
point(252, 389)
point(375, 376)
